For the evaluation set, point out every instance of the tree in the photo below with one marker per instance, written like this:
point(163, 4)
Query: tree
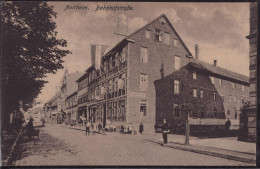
point(30, 50)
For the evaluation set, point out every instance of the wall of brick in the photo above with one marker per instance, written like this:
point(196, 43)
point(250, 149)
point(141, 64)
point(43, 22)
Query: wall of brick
point(158, 53)
point(166, 97)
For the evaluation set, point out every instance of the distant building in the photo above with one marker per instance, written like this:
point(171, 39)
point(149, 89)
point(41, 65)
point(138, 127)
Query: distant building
point(252, 110)
point(209, 91)
point(56, 106)
point(71, 107)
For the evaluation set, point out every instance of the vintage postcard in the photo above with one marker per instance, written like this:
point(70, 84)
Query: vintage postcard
point(128, 83)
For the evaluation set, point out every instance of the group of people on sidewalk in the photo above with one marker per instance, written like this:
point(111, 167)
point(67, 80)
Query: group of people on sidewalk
point(126, 129)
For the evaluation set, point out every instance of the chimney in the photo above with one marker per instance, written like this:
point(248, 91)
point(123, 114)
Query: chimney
point(162, 71)
point(215, 63)
point(196, 51)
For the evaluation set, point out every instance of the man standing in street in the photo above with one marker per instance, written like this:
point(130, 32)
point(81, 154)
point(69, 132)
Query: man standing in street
point(165, 130)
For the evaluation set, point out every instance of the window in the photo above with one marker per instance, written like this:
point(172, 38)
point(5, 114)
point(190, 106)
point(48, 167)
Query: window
point(233, 85)
point(235, 99)
point(220, 81)
point(230, 98)
point(166, 38)
point(143, 57)
point(147, 34)
point(175, 42)
point(194, 92)
point(176, 109)
point(201, 94)
point(243, 88)
point(235, 114)
point(215, 96)
point(228, 112)
point(143, 81)
point(212, 79)
point(176, 86)
point(223, 97)
point(177, 62)
point(159, 35)
point(242, 100)
point(113, 61)
point(143, 108)
point(194, 75)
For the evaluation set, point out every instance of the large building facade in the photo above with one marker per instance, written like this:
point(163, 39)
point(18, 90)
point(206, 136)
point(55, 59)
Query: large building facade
point(209, 92)
point(122, 90)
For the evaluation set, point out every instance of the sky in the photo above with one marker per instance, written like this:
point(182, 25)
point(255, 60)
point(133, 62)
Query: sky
point(218, 28)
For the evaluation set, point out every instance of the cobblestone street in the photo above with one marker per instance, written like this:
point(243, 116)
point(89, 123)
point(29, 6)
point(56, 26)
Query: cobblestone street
point(63, 146)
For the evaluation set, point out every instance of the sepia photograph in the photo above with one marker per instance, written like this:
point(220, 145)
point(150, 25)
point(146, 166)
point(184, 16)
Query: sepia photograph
point(128, 83)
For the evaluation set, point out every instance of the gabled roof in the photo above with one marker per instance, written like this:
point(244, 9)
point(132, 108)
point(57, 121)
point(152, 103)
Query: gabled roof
point(218, 70)
point(168, 21)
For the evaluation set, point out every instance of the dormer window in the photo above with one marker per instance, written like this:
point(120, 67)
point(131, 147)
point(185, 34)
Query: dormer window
point(175, 42)
point(166, 38)
point(194, 75)
point(147, 34)
point(159, 35)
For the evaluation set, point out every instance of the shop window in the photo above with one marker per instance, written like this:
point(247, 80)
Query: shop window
point(143, 108)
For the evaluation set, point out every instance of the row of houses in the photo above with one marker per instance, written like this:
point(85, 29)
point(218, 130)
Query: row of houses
point(146, 77)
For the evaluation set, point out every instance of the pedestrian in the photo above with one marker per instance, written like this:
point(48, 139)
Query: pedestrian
point(165, 130)
point(88, 125)
point(30, 128)
point(99, 127)
point(227, 125)
point(141, 128)
point(130, 128)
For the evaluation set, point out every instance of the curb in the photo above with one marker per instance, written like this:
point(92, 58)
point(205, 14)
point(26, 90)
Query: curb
point(8, 159)
point(215, 154)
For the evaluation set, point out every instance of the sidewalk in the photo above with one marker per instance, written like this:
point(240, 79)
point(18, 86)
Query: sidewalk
point(228, 147)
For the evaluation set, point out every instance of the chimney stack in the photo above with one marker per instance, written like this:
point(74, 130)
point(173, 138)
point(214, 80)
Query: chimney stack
point(196, 51)
point(215, 63)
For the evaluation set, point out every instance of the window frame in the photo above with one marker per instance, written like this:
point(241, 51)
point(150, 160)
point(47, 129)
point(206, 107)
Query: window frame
point(143, 81)
point(176, 88)
point(194, 75)
point(143, 58)
point(194, 93)
point(175, 62)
